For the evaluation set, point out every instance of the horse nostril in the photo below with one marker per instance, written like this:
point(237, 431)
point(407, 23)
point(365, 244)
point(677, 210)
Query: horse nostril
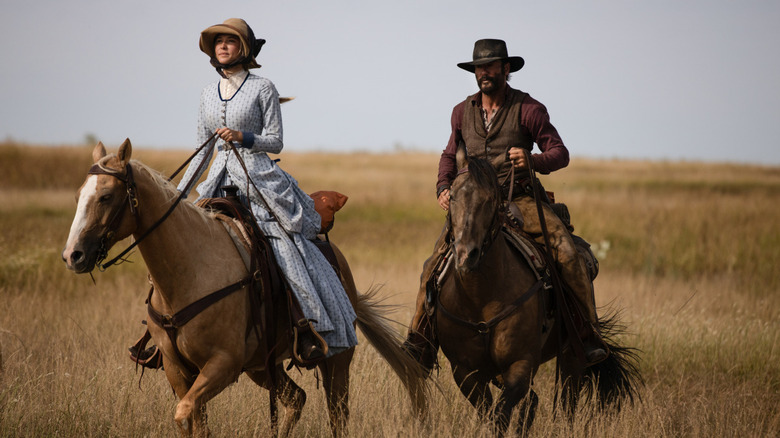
point(473, 255)
point(76, 257)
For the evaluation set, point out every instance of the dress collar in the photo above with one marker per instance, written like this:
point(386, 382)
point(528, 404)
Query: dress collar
point(229, 86)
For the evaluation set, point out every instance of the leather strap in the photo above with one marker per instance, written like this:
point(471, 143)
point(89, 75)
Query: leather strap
point(483, 327)
point(171, 323)
point(130, 183)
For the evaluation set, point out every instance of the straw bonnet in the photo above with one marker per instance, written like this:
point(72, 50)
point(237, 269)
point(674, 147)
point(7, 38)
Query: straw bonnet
point(250, 46)
point(487, 51)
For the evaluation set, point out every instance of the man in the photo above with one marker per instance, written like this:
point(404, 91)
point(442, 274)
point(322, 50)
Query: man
point(501, 124)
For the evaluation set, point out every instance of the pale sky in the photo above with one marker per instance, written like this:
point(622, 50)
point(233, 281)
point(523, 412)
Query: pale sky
point(665, 80)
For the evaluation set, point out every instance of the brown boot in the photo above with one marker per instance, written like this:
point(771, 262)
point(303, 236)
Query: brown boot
point(421, 342)
point(596, 350)
point(308, 346)
point(308, 350)
point(421, 350)
point(594, 354)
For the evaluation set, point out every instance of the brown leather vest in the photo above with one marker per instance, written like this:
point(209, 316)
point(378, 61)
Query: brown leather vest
point(505, 132)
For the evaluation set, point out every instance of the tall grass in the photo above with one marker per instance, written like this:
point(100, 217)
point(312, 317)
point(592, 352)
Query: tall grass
point(691, 260)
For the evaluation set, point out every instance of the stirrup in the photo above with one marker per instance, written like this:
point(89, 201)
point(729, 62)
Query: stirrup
point(146, 357)
point(304, 336)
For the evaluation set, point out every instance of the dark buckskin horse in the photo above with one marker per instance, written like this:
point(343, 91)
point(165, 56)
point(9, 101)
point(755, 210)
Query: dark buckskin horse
point(190, 255)
point(491, 317)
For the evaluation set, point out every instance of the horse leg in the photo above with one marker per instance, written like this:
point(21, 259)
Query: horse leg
point(475, 391)
point(571, 376)
point(213, 378)
point(335, 380)
point(517, 384)
point(292, 396)
point(181, 383)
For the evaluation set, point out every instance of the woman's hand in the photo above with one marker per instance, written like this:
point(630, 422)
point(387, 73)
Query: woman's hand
point(230, 135)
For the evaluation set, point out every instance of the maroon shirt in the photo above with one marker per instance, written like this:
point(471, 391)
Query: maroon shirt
point(534, 121)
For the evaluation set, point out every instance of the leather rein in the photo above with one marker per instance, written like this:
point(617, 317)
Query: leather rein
point(132, 202)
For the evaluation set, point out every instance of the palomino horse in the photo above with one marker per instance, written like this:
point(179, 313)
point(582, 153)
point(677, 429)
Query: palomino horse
point(189, 256)
point(492, 320)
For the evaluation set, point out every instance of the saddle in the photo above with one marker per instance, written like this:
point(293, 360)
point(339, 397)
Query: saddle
point(271, 285)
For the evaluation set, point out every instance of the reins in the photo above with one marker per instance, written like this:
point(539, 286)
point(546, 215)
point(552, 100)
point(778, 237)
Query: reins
point(250, 181)
point(270, 347)
point(133, 202)
point(562, 313)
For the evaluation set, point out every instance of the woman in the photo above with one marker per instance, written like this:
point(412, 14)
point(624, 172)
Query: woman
point(243, 109)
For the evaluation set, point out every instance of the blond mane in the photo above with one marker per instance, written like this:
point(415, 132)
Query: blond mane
point(169, 190)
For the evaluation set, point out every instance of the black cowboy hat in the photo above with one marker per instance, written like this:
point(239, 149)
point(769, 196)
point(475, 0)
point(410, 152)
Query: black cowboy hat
point(487, 51)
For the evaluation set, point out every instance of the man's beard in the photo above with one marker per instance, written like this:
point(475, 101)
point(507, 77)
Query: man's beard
point(489, 84)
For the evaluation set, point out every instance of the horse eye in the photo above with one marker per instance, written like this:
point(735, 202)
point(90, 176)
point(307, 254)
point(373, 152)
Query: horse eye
point(105, 198)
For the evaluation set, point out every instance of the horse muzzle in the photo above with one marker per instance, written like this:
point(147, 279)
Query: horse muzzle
point(78, 260)
point(467, 258)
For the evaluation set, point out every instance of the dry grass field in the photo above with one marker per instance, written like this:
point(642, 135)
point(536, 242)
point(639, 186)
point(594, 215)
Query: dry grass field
point(689, 251)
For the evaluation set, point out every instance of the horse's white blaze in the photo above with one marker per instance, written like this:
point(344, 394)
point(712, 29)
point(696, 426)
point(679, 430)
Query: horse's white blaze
point(88, 192)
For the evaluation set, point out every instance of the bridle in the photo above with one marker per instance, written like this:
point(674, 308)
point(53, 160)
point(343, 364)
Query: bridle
point(131, 201)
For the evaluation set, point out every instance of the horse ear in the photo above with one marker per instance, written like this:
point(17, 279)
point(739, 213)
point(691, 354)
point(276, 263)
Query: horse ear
point(99, 152)
point(125, 151)
point(461, 157)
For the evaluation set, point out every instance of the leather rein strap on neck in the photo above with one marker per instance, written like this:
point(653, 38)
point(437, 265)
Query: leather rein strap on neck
point(133, 203)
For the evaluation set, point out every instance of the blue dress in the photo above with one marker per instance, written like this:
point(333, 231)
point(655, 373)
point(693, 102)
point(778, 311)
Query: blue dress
point(254, 109)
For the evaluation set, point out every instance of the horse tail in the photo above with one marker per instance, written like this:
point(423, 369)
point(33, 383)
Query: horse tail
point(617, 379)
point(387, 342)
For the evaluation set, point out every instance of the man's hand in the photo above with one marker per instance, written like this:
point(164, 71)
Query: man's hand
point(444, 199)
point(229, 135)
point(518, 158)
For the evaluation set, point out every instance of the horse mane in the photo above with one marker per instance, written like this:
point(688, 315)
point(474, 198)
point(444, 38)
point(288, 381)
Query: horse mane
point(172, 192)
point(168, 188)
point(483, 173)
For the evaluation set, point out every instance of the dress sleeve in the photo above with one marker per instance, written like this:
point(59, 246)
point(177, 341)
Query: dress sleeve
point(270, 140)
